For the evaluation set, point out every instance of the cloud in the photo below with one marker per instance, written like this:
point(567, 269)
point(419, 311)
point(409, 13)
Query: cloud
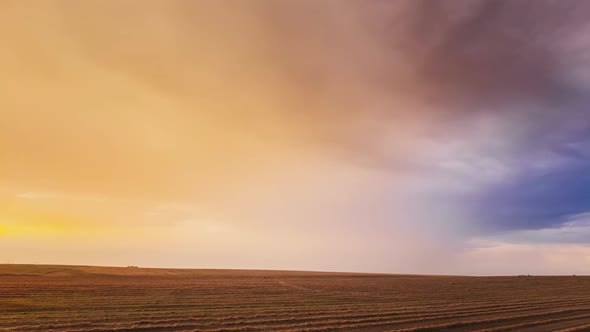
point(60, 196)
point(32, 195)
point(560, 249)
point(363, 127)
point(502, 258)
point(571, 230)
point(538, 198)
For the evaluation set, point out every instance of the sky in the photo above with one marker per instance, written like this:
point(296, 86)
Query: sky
point(408, 136)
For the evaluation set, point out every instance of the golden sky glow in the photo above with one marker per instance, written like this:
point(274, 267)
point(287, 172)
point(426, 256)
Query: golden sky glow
point(140, 119)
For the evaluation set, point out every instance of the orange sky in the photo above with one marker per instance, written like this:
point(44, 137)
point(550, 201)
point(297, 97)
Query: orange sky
point(162, 129)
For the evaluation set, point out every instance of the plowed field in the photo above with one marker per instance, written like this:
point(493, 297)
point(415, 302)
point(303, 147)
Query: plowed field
point(65, 298)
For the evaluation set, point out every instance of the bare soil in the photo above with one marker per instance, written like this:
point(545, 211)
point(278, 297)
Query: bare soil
point(82, 298)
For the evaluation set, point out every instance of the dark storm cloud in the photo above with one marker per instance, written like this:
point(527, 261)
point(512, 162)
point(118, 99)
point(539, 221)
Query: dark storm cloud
point(463, 53)
point(496, 52)
point(512, 58)
point(459, 61)
point(440, 61)
point(538, 201)
point(517, 59)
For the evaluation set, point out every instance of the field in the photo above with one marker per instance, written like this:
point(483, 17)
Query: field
point(77, 298)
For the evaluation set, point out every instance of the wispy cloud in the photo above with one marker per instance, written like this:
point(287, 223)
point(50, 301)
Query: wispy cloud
point(61, 196)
